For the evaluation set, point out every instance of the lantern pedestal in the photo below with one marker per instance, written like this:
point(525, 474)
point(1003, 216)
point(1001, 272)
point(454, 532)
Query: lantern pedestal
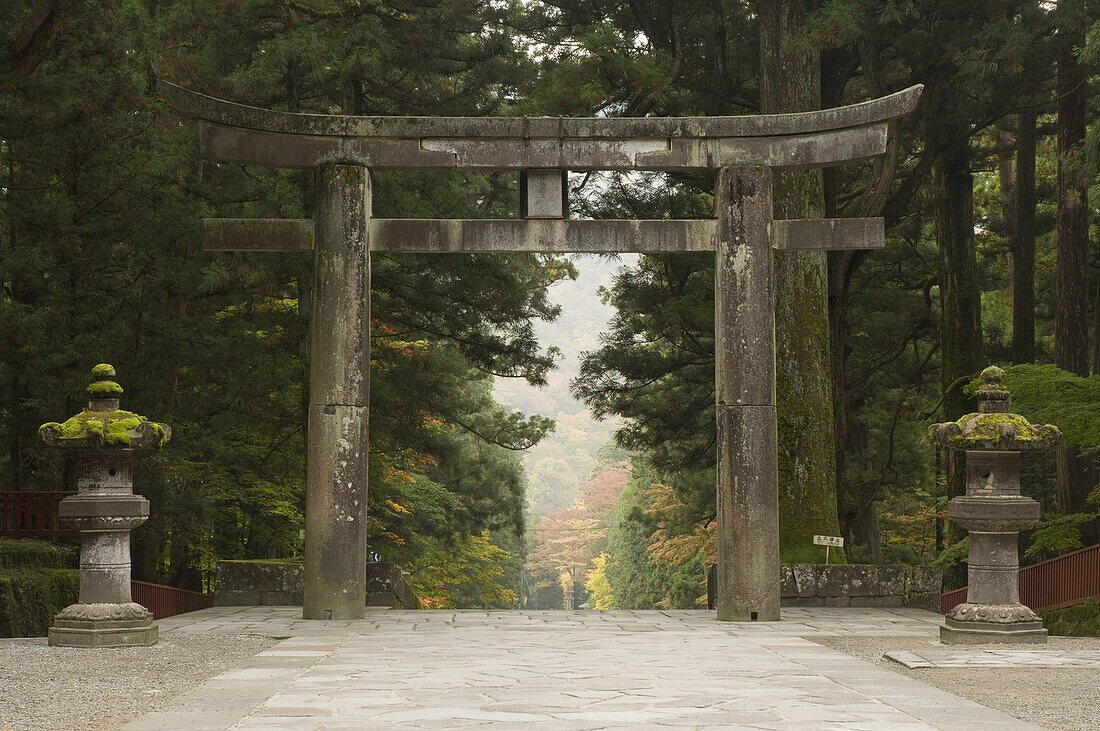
point(105, 616)
point(104, 625)
point(985, 624)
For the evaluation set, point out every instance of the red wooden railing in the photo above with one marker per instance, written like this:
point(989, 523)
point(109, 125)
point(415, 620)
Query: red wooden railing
point(952, 599)
point(166, 601)
point(1052, 584)
point(32, 515)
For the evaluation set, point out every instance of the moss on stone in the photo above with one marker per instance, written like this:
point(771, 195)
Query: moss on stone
point(995, 431)
point(31, 596)
point(104, 389)
point(111, 428)
point(1080, 620)
point(1047, 394)
point(23, 552)
point(103, 371)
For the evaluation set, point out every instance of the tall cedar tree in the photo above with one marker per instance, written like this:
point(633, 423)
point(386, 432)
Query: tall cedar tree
point(790, 81)
point(1071, 321)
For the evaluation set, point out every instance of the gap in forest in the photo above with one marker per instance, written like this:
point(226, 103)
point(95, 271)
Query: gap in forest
point(559, 467)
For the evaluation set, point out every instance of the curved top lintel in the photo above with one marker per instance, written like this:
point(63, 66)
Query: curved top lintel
point(200, 106)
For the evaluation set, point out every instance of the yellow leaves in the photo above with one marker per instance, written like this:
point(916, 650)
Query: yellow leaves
point(259, 305)
point(662, 500)
point(675, 550)
point(434, 425)
point(397, 507)
point(565, 579)
point(565, 538)
point(600, 593)
point(669, 547)
point(378, 529)
point(397, 346)
point(442, 570)
point(394, 475)
point(566, 541)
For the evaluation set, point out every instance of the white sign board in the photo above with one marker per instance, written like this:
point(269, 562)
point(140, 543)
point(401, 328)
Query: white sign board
point(828, 541)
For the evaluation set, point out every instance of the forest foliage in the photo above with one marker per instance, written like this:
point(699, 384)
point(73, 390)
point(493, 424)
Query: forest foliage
point(989, 192)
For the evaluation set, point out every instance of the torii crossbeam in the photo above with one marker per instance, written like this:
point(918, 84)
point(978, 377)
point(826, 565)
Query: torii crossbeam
point(741, 151)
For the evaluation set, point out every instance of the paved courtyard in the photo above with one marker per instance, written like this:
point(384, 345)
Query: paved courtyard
point(1006, 658)
point(565, 670)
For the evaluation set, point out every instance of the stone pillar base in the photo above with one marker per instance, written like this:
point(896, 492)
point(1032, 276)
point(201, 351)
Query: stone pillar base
point(979, 624)
point(104, 625)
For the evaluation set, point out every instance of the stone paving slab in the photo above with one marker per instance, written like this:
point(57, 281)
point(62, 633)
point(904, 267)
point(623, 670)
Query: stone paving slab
point(997, 658)
point(797, 621)
point(566, 670)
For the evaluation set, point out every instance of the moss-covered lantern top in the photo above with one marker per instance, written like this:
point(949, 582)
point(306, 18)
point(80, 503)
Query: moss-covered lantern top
point(103, 424)
point(993, 428)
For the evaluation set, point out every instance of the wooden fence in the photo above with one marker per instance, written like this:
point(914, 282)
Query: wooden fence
point(166, 601)
point(1052, 584)
point(32, 515)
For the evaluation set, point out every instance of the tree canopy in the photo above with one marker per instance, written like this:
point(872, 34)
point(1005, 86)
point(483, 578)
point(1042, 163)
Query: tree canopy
point(988, 190)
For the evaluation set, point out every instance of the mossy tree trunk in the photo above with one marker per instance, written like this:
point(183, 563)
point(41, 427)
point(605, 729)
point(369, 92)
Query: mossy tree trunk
point(791, 82)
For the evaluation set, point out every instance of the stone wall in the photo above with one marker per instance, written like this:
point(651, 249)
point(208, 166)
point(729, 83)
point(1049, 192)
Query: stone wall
point(258, 583)
point(280, 583)
point(861, 585)
point(855, 585)
point(1080, 620)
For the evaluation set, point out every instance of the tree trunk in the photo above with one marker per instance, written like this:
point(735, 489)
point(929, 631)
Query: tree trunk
point(948, 137)
point(961, 329)
point(1023, 243)
point(791, 82)
point(1006, 175)
point(866, 529)
point(1096, 327)
point(1071, 335)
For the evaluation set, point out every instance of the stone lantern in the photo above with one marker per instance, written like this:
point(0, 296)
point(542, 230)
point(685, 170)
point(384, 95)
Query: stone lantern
point(994, 512)
point(102, 440)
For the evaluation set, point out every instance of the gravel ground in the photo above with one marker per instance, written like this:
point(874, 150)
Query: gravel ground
point(1061, 699)
point(59, 688)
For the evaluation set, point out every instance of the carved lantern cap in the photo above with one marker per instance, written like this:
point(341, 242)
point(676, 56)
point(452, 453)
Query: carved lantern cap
point(103, 425)
point(993, 428)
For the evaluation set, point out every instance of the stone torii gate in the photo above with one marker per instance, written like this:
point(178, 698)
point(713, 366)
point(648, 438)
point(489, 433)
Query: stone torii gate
point(741, 151)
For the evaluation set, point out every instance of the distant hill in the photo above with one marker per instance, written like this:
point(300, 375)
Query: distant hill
point(558, 466)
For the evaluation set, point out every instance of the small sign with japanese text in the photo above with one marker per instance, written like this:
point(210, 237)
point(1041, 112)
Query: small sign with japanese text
point(828, 541)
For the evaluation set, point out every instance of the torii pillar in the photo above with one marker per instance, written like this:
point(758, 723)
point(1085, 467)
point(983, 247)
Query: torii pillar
point(744, 387)
point(339, 398)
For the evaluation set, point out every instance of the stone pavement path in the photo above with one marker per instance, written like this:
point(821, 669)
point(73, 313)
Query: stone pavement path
point(565, 670)
point(1006, 658)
